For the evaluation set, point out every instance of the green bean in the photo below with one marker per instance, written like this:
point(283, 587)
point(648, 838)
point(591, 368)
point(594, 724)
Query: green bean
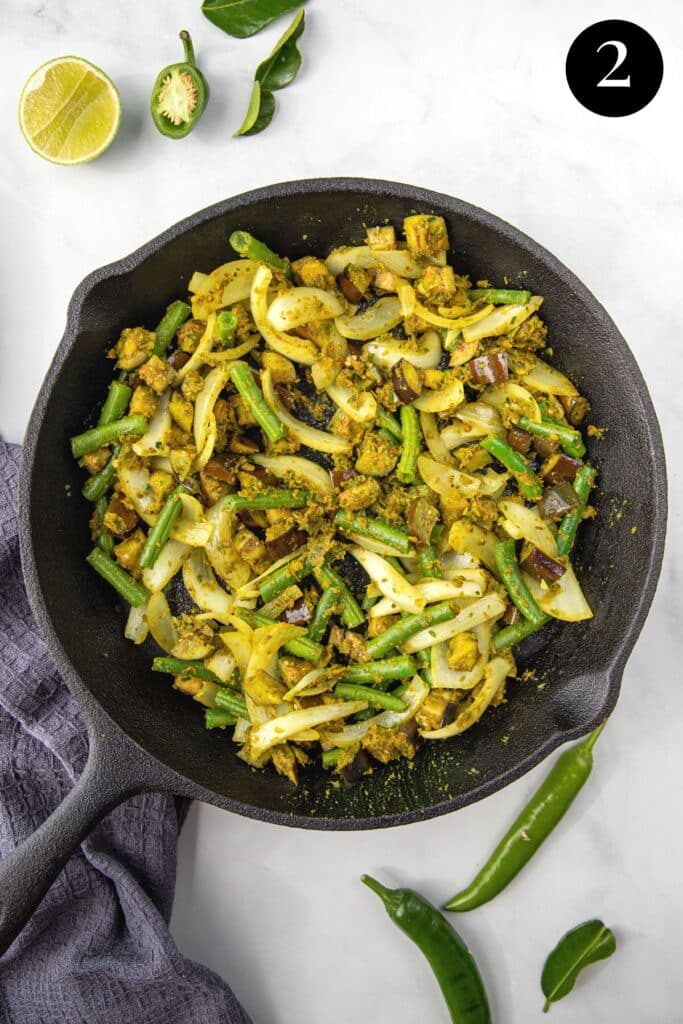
point(175, 316)
point(224, 331)
point(158, 535)
point(429, 563)
point(99, 483)
point(330, 757)
point(81, 444)
point(406, 471)
point(105, 541)
point(249, 247)
point(500, 296)
point(362, 716)
point(350, 611)
point(375, 698)
point(302, 647)
point(286, 576)
point(231, 700)
point(424, 660)
point(115, 404)
point(389, 423)
point(379, 672)
point(181, 667)
point(325, 608)
point(398, 691)
point(514, 634)
point(566, 534)
point(367, 603)
point(388, 436)
point(508, 568)
point(570, 439)
point(407, 626)
point(377, 529)
point(267, 419)
point(529, 484)
point(218, 718)
point(130, 590)
point(268, 499)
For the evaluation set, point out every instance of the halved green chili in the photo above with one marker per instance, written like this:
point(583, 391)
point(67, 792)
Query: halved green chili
point(529, 484)
point(377, 529)
point(508, 568)
point(375, 698)
point(448, 956)
point(249, 247)
point(267, 419)
point(104, 434)
point(175, 316)
point(129, 589)
point(406, 471)
point(380, 673)
point(533, 825)
point(406, 627)
point(327, 605)
point(583, 484)
point(268, 499)
point(158, 534)
point(180, 94)
point(500, 296)
point(569, 439)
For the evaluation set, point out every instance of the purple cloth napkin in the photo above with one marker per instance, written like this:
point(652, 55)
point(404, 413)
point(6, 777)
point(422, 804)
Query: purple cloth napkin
point(98, 948)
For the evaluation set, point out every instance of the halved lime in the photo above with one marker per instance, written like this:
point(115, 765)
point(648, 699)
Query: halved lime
point(69, 111)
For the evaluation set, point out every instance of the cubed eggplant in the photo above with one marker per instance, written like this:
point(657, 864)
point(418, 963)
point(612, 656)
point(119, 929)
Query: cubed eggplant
point(542, 566)
point(489, 369)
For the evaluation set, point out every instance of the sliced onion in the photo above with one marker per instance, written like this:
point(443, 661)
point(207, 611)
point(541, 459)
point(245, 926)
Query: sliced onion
point(491, 483)
point(457, 563)
point(133, 481)
point(370, 544)
point(432, 590)
point(382, 316)
point(423, 352)
point(137, 627)
point(444, 399)
point(413, 698)
point(399, 262)
point(473, 420)
point(222, 664)
point(430, 431)
point(501, 320)
point(360, 406)
point(550, 381)
point(169, 561)
point(251, 588)
point(282, 728)
point(311, 683)
point(461, 351)
point(203, 587)
point(220, 549)
point(229, 355)
point(446, 480)
point(266, 642)
point(489, 607)
point(209, 444)
point(314, 476)
point(154, 441)
point(298, 306)
point(390, 582)
point(214, 382)
point(239, 645)
point(299, 350)
point(350, 255)
point(527, 523)
point(563, 600)
point(495, 674)
point(224, 286)
point(205, 345)
point(240, 734)
point(191, 527)
point(197, 282)
point(450, 324)
point(161, 624)
point(513, 398)
point(318, 440)
point(448, 678)
point(474, 540)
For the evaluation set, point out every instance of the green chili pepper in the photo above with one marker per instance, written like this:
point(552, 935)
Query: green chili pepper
point(179, 95)
point(450, 959)
point(535, 823)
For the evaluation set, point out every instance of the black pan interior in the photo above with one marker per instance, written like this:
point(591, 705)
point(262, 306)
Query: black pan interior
point(571, 679)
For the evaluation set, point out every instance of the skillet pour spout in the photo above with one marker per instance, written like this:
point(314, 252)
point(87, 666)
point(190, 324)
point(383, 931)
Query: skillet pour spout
point(143, 732)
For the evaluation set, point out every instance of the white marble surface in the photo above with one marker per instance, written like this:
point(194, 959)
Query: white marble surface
point(471, 100)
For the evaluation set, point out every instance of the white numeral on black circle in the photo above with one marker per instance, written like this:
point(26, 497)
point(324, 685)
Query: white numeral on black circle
point(608, 81)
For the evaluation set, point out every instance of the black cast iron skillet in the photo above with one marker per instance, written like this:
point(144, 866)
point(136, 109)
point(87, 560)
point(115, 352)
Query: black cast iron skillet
point(143, 735)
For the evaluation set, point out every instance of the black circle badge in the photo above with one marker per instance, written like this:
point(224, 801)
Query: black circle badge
point(614, 68)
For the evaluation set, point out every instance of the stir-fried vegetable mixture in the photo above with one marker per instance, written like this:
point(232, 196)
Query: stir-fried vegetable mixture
point(368, 480)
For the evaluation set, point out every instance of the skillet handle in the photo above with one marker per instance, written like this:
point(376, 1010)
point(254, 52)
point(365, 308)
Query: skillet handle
point(110, 776)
